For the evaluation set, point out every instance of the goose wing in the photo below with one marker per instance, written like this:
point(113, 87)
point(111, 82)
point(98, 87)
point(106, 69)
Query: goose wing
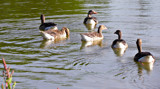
point(45, 25)
point(92, 34)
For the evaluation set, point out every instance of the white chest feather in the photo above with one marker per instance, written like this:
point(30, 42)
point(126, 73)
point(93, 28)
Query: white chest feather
point(120, 45)
point(146, 59)
point(90, 21)
point(86, 38)
point(47, 36)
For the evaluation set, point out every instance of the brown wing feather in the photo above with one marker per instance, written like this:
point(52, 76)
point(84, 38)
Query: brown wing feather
point(92, 34)
point(53, 32)
point(48, 24)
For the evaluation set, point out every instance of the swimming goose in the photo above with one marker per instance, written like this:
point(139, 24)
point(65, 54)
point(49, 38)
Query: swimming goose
point(143, 56)
point(46, 25)
point(119, 43)
point(52, 34)
point(93, 36)
point(89, 19)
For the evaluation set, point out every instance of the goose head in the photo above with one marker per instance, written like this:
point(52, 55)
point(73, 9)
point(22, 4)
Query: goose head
point(139, 45)
point(90, 12)
point(101, 27)
point(119, 33)
point(139, 41)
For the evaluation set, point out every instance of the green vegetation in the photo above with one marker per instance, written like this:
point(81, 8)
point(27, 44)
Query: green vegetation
point(7, 77)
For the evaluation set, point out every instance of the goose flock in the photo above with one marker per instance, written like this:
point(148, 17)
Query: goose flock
point(49, 31)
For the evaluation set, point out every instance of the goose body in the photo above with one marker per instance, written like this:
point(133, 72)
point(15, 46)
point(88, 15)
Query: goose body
point(55, 34)
point(93, 36)
point(89, 19)
point(47, 25)
point(143, 56)
point(119, 43)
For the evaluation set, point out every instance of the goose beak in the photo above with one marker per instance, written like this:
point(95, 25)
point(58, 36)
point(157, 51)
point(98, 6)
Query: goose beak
point(95, 12)
point(106, 28)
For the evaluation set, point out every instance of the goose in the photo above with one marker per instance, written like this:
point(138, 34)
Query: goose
point(143, 56)
point(46, 25)
point(93, 36)
point(119, 43)
point(55, 34)
point(89, 19)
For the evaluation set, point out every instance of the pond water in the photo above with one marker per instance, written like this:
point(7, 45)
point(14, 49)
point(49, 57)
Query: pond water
point(68, 64)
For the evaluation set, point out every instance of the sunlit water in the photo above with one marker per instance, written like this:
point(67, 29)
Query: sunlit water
point(69, 64)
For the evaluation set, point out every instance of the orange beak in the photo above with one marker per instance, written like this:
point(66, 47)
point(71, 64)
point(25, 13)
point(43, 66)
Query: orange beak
point(95, 13)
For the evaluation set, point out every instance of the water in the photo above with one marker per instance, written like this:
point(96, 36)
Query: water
point(67, 64)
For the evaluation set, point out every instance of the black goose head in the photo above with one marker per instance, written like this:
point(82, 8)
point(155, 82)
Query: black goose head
point(119, 33)
point(90, 12)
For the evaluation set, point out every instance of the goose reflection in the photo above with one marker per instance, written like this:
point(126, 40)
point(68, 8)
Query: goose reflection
point(119, 51)
point(90, 26)
point(146, 66)
point(91, 43)
point(46, 44)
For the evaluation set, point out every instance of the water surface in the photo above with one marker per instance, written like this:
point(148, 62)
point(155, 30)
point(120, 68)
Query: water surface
point(40, 64)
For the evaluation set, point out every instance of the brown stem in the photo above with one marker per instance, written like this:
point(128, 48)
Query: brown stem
point(4, 64)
